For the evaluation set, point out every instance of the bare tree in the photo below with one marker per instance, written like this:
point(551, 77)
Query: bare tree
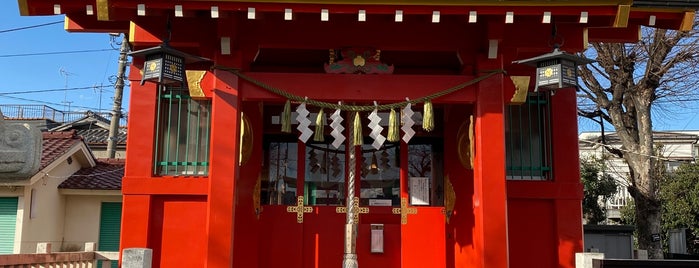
point(626, 84)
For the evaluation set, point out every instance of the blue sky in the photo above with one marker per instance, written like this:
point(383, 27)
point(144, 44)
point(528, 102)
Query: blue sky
point(94, 69)
point(59, 71)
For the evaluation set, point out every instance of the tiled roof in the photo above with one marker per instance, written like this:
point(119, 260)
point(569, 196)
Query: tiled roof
point(106, 175)
point(100, 135)
point(56, 144)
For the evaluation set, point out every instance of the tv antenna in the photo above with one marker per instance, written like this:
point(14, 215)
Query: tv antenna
point(63, 72)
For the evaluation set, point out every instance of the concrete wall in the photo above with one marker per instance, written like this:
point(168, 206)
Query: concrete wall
point(82, 215)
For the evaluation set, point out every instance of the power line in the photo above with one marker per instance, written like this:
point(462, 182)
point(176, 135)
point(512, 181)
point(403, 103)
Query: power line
point(50, 90)
point(56, 53)
point(29, 27)
point(47, 102)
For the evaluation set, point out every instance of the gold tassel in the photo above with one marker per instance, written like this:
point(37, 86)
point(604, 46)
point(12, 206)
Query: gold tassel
point(393, 130)
point(357, 139)
point(428, 117)
point(286, 117)
point(319, 135)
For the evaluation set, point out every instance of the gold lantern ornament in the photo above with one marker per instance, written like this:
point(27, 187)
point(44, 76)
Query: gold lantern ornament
point(555, 70)
point(165, 65)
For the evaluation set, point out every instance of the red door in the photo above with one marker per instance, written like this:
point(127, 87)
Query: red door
point(398, 186)
point(423, 242)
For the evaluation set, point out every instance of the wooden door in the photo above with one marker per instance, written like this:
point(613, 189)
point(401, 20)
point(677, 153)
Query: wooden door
point(423, 236)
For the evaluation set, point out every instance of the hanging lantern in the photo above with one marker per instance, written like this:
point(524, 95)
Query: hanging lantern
point(555, 70)
point(165, 65)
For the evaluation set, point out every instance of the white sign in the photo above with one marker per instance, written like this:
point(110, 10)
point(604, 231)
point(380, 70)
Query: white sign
point(380, 202)
point(419, 190)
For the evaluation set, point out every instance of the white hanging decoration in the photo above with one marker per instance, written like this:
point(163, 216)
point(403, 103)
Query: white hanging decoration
point(337, 127)
point(376, 129)
point(304, 122)
point(407, 120)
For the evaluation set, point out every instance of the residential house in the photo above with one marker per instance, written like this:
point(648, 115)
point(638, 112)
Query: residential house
point(74, 198)
point(93, 127)
point(677, 147)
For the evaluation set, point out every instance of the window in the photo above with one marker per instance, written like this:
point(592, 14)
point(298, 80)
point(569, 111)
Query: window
point(182, 129)
point(380, 175)
point(528, 138)
point(426, 172)
point(324, 181)
point(279, 174)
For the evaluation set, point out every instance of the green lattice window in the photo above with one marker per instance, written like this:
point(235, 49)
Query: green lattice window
point(182, 134)
point(528, 138)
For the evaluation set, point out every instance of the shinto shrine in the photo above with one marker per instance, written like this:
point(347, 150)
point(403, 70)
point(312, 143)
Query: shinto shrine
point(359, 133)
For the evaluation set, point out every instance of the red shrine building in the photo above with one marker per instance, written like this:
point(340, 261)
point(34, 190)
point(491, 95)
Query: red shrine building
point(389, 133)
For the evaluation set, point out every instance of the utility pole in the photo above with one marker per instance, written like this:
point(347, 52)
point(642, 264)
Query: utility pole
point(118, 92)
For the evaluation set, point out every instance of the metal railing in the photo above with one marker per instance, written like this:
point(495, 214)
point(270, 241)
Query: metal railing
point(35, 111)
point(528, 138)
point(45, 258)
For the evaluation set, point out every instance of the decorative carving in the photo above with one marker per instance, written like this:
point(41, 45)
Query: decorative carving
point(404, 210)
point(449, 198)
point(356, 207)
point(357, 61)
point(464, 143)
point(256, 192)
point(246, 137)
point(194, 83)
point(299, 209)
point(20, 150)
point(521, 89)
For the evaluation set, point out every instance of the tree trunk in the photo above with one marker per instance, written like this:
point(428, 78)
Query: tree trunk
point(648, 212)
point(644, 184)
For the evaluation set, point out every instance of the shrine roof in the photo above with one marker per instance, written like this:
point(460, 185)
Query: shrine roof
point(119, 15)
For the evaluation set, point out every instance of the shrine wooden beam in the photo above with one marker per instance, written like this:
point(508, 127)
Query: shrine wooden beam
point(630, 34)
point(363, 88)
point(184, 32)
point(82, 23)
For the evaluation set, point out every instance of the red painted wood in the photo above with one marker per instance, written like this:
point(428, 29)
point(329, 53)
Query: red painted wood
point(569, 230)
point(246, 245)
point(532, 242)
point(83, 23)
point(490, 201)
point(566, 171)
point(165, 185)
point(139, 155)
point(630, 34)
point(225, 129)
point(461, 248)
point(135, 217)
point(422, 239)
point(323, 238)
point(179, 225)
point(365, 88)
point(283, 239)
point(391, 257)
point(544, 189)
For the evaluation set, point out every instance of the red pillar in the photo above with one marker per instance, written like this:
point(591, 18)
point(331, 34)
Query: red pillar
point(139, 163)
point(490, 202)
point(566, 173)
point(225, 128)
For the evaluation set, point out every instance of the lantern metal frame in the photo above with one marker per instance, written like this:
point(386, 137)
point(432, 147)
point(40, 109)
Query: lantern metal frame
point(555, 70)
point(165, 65)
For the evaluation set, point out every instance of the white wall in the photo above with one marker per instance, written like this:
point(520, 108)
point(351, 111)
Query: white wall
point(47, 225)
point(82, 217)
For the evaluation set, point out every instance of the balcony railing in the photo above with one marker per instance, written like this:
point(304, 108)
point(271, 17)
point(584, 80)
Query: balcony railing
point(34, 112)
